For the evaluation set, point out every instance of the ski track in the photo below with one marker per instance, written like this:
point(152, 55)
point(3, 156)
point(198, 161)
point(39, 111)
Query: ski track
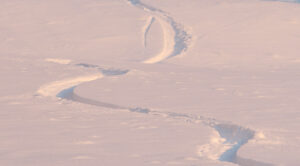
point(150, 21)
point(168, 44)
point(230, 137)
point(175, 37)
point(106, 72)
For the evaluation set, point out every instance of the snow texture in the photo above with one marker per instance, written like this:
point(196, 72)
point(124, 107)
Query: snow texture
point(218, 89)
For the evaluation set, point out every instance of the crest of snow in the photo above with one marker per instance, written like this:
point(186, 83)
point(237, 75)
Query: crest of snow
point(168, 45)
point(85, 143)
point(53, 88)
point(215, 148)
point(261, 138)
point(82, 158)
point(59, 61)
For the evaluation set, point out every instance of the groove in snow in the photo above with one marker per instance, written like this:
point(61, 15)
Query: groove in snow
point(146, 29)
point(104, 71)
point(175, 37)
point(168, 43)
point(224, 146)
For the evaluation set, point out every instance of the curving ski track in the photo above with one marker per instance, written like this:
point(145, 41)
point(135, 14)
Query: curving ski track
point(150, 21)
point(175, 38)
point(232, 137)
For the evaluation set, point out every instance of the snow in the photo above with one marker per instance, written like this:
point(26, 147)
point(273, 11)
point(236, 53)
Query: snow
point(149, 82)
point(168, 44)
point(54, 88)
point(59, 61)
point(150, 21)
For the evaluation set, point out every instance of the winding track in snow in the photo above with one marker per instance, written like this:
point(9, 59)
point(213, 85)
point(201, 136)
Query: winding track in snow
point(150, 21)
point(175, 42)
point(176, 39)
point(232, 136)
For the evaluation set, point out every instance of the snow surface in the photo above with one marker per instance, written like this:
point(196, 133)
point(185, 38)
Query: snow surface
point(149, 82)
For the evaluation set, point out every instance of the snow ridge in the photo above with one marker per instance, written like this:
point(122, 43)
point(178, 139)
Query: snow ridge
point(54, 88)
point(175, 37)
point(168, 44)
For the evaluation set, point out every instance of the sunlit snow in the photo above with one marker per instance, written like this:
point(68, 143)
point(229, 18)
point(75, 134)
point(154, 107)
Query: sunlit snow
point(150, 82)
